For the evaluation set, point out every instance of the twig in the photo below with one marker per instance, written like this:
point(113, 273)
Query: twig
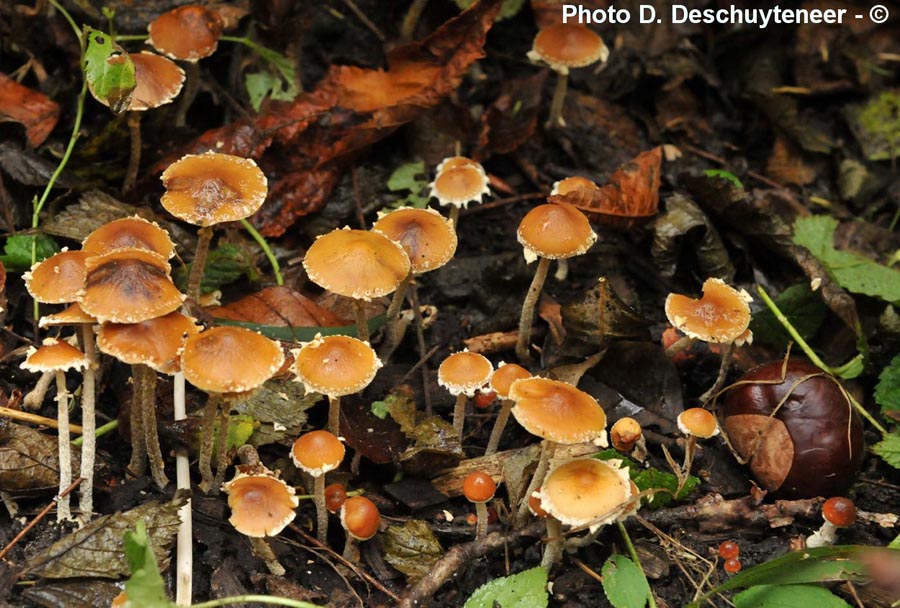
point(36, 419)
point(41, 515)
point(500, 202)
point(366, 21)
point(714, 513)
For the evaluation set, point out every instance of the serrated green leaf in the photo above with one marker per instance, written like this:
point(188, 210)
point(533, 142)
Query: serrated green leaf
point(851, 271)
point(526, 589)
point(145, 587)
point(224, 264)
point(624, 583)
point(724, 175)
point(787, 596)
point(279, 82)
point(804, 309)
point(889, 449)
point(17, 250)
point(887, 391)
point(108, 70)
point(410, 178)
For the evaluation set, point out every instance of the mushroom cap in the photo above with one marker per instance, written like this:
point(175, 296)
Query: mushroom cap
point(624, 433)
point(335, 365)
point(54, 355)
point(563, 46)
point(73, 315)
point(557, 411)
point(129, 286)
point(261, 503)
point(698, 422)
point(157, 81)
point(572, 184)
point(464, 373)
point(535, 506)
point(360, 517)
point(359, 264)
point(428, 238)
point(460, 185)
point(129, 233)
point(229, 359)
point(451, 162)
point(335, 497)
point(555, 231)
point(586, 491)
point(479, 487)
point(59, 279)
point(188, 33)
point(839, 511)
point(317, 452)
point(155, 343)
point(211, 188)
point(505, 375)
point(721, 315)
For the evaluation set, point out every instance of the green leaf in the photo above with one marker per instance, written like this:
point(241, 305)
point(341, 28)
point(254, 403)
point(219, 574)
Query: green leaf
point(653, 479)
point(876, 125)
point(804, 309)
point(510, 8)
point(889, 449)
point(887, 391)
point(410, 177)
point(108, 70)
point(225, 264)
point(853, 272)
point(17, 250)
point(279, 82)
point(302, 334)
point(787, 596)
point(624, 583)
point(526, 589)
point(380, 409)
point(411, 548)
point(723, 174)
point(145, 587)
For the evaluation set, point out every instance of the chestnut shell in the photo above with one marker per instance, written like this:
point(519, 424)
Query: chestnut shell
point(827, 435)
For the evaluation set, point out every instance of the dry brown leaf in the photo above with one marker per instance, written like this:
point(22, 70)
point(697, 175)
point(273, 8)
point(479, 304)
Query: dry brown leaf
point(35, 111)
point(279, 306)
point(787, 166)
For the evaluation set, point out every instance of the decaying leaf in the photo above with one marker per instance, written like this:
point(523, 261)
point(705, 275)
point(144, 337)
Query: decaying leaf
point(73, 594)
point(28, 167)
point(279, 306)
point(411, 548)
point(685, 226)
point(600, 315)
point(436, 447)
point(513, 117)
point(876, 125)
point(278, 409)
point(32, 109)
point(96, 550)
point(787, 166)
point(29, 461)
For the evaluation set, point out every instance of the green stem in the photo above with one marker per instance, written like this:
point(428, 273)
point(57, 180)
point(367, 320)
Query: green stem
point(634, 557)
point(127, 37)
point(262, 599)
point(261, 241)
point(68, 17)
point(101, 430)
point(793, 332)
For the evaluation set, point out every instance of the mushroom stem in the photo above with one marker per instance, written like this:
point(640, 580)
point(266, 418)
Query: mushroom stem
point(151, 435)
point(499, 424)
point(362, 322)
point(188, 93)
point(321, 510)
point(63, 510)
point(454, 216)
point(683, 343)
point(688, 461)
point(547, 449)
point(531, 298)
point(88, 425)
point(204, 236)
point(351, 550)
point(393, 310)
point(824, 536)
point(423, 349)
point(207, 427)
point(559, 96)
point(137, 466)
point(413, 14)
point(222, 446)
point(720, 379)
point(334, 415)
point(261, 548)
point(184, 558)
point(555, 543)
point(481, 524)
point(35, 396)
point(459, 415)
point(134, 157)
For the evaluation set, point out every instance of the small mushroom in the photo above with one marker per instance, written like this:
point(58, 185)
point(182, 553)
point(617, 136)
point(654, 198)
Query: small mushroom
point(261, 503)
point(360, 519)
point(625, 433)
point(462, 374)
point(316, 453)
point(129, 233)
point(458, 182)
point(838, 512)
point(59, 279)
point(501, 381)
point(335, 497)
point(695, 423)
point(479, 488)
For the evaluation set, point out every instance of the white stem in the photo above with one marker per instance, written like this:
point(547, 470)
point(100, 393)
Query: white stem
point(824, 536)
point(63, 511)
point(88, 426)
point(184, 558)
point(35, 396)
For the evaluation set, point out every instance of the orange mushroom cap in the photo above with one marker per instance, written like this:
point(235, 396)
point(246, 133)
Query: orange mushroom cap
point(839, 511)
point(464, 373)
point(555, 231)
point(129, 233)
point(479, 487)
point(586, 491)
point(155, 342)
point(229, 359)
point(335, 365)
point(359, 264)
point(563, 46)
point(261, 503)
point(624, 433)
point(211, 188)
point(428, 238)
point(451, 162)
point(505, 375)
point(59, 279)
point(73, 315)
point(360, 517)
point(460, 185)
point(54, 355)
point(698, 422)
point(557, 411)
point(721, 315)
point(317, 452)
point(188, 33)
point(572, 184)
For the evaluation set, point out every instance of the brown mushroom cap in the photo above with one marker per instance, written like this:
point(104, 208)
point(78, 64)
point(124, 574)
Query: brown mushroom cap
point(188, 33)
point(229, 359)
point(563, 46)
point(460, 185)
point(155, 343)
point(557, 411)
point(505, 375)
point(129, 286)
point(358, 264)
point(360, 517)
point(211, 188)
point(157, 81)
point(54, 355)
point(428, 238)
point(317, 452)
point(129, 233)
point(721, 315)
point(572, 184)
point(451, 162)
point(479, 487)
point(73, 315)
point(839, 511)
point(625, 433)
point(335, 365)
point(586, 491)
point(261, 503)
point(698, 422)
point(464, 373)
point(555, 231)
point(59, 279)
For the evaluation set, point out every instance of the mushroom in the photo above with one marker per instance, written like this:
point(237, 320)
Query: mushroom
point(551, 231)
point(479, 488)
point(564, 46)
point(625, 433)
point(335, 497)
point(360, 519)
point(129, 233)
point(316, 453)
point(59, 357)
point(209, 189)
point(695, 423)
point(572, 185)
point(838, 512)
point(458, 182)
point(358, 264)
point(462, 374)
point(261, 503)
point(58, 279)
point(501, 381)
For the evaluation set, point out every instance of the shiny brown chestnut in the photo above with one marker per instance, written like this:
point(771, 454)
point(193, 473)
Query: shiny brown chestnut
point(813, 446)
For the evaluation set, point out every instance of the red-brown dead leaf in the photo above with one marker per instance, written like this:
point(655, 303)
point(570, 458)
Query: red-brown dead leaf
point(513, 117)
point(630, 197)
point(35, 111)
point(786, 164)
point(280, 306)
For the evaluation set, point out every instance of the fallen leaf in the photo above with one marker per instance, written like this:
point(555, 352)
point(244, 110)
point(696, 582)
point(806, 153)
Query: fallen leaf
point(32, 109)
point(685, 227)
point(278, 409)
point(600, 314)
point(411, 548)
point(512, 118)
point(787, 166)
point(29, 461)
point(279, 306)
point(27, 167)
point(73, 594)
